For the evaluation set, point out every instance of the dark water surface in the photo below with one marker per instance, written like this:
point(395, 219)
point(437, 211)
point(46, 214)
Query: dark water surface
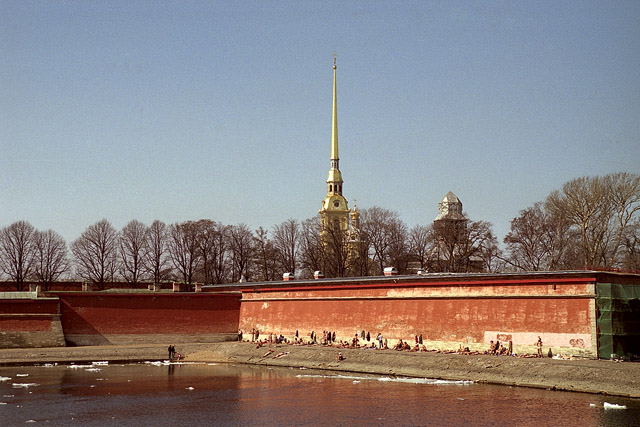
point(209, 394)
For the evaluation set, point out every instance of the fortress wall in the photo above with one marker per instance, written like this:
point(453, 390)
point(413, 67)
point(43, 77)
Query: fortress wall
point(410, 289)
point(447, 315)
point(99, 319)
point(28, 323)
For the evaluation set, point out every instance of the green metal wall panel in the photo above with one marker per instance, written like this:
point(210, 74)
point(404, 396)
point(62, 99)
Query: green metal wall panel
point(618, 320)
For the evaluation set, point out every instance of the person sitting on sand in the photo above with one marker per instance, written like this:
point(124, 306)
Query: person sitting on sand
point(340, 357)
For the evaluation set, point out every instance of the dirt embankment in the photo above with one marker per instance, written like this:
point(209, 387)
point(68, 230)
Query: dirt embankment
point(590, 376)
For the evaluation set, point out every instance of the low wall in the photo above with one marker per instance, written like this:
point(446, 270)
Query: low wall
point(93, 318)
point(28, 323)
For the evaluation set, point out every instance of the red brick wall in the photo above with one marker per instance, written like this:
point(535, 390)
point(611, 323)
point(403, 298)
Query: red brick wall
point(22, 306)
point(436, 319)
point(446, 314)
point(149, 314)
point(30, 323)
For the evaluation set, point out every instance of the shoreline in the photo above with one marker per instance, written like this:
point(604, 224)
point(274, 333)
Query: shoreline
point(582, 375)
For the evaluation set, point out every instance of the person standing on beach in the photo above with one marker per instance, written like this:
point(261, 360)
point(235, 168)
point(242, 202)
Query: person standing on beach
point(539, 344)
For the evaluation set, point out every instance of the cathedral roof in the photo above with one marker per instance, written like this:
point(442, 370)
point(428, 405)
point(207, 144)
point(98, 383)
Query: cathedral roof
point(450, 208)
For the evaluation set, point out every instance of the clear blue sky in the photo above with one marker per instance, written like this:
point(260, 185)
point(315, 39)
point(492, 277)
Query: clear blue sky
point(222, 110)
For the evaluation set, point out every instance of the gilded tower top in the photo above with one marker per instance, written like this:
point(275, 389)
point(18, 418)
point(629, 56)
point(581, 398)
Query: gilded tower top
point(335, 201)
point(334, 127)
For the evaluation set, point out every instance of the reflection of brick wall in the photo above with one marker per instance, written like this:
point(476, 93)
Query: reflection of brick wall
point(30, 323)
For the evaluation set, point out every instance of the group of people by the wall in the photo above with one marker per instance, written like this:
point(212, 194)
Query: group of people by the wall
point(365, 340)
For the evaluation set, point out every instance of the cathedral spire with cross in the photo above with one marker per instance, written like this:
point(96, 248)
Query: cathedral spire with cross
point(335, 209)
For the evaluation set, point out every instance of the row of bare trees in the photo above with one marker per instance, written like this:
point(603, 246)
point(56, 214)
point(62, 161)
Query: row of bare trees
point(28, 254)
point(590, 222)
point(210, 252)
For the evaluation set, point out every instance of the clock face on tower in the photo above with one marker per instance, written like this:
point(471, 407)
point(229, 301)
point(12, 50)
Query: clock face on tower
point(336, 203)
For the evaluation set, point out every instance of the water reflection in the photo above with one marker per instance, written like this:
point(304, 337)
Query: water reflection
point(249, 395)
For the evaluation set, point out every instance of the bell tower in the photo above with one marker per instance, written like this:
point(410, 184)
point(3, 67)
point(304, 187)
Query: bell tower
point(335, 209)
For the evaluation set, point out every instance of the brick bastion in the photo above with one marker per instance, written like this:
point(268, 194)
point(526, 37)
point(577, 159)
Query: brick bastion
point(582, 313)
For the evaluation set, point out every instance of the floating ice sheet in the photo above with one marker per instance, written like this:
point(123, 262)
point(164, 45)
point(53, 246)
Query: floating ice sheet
point(389, 379)
point(24, 385)
point(608, 405)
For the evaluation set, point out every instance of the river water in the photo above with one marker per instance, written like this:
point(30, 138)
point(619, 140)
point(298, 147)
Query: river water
point(224, 394)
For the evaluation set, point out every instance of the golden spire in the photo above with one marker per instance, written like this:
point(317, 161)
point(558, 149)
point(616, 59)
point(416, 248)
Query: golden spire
point(334, 128)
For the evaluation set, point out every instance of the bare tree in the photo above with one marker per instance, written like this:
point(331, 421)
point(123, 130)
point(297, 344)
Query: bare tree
point(483, 244)
point(214, 251)
point(311, 247)
point(399, 247)
point(461, 245)
point(206, 231)
point(386, 233)
point(95, 252)
point(242, 252)
point(625, 197)
point(631, 246)
point(51, 259)
point(363, 264)
point(419, 244)
point(17, 252)
point(133, 251)
point(336, 252)
point(266, 256)
point(157, 261)
point(525, 242)
point(540, 241)
point(600, 209)
point(285, 240)
point(184, 249)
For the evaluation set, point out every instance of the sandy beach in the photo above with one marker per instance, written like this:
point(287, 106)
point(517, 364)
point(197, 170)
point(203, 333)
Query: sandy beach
point(588, 376)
